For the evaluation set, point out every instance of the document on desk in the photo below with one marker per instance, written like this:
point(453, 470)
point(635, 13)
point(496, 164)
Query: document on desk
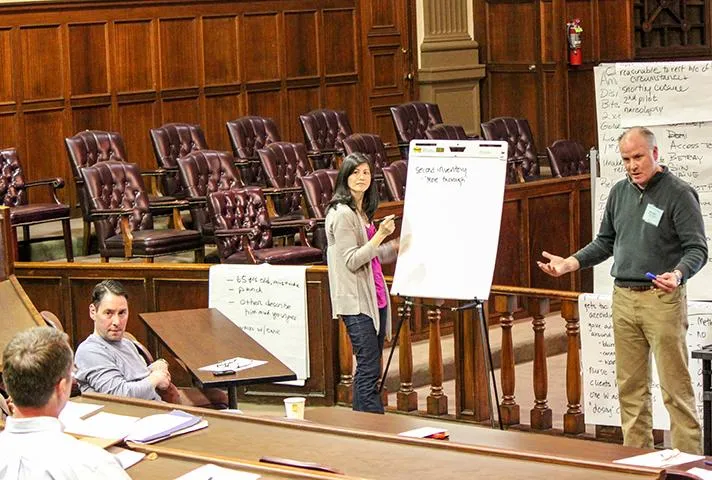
point(102, 425)
point(150, 429)
point(232, 364)
point(660, 459)
point(214, 472)
point(75, 411)
point(701, 472)
point(157, 427)
point(126, 458)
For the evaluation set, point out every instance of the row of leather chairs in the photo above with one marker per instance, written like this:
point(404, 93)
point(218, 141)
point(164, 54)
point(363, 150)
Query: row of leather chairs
point(422, 120)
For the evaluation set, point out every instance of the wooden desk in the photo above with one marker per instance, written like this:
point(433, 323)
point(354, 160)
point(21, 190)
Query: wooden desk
point(362, 453)
point(547, 446)
point(173, 463)
point(205, 336)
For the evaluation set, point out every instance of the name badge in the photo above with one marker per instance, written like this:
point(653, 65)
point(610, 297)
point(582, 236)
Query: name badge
point(652, 215)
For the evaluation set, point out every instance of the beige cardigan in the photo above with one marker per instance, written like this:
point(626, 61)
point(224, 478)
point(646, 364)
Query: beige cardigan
point(349, 256)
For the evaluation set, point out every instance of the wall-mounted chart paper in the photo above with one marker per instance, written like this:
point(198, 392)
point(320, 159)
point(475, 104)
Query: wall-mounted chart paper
point(685, 148)
point(664, 93)
point(451, 219)
point(268, 303)
point(600, 390)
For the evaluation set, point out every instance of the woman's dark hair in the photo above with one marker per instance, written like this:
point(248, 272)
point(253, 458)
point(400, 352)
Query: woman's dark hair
point(342, 192)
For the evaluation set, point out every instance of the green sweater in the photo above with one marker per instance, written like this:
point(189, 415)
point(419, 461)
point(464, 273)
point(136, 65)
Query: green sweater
point(636, 243)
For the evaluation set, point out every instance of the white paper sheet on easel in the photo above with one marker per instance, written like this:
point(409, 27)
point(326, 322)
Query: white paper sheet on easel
point(451, 219)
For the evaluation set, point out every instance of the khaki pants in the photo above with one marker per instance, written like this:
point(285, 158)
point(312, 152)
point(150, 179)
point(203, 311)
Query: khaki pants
point(657, 321)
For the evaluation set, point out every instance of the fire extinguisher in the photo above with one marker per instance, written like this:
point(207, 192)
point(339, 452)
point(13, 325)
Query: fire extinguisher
point(573, 33)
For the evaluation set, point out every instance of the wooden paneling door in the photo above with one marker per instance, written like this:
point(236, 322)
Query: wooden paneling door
point(513, 86)
point(387, 45)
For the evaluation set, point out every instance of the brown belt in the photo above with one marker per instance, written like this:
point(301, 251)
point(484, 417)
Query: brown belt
point(640, 288)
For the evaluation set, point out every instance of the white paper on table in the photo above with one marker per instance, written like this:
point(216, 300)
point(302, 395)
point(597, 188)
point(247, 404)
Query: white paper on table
point(102, 425)
point(76, 411)
point(422, 432)
point(701, 472)
point(214, 472)
point(236, 364)
point(162, 425)
point(126, 458)
point(660, 459)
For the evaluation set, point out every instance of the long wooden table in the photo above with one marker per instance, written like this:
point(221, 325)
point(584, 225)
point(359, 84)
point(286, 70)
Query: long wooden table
point(364, 453)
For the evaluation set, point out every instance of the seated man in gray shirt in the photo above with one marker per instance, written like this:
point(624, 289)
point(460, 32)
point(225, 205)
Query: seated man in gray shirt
point(109, 363)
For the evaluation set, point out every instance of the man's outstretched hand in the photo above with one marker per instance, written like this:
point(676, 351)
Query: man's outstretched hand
point(557, 266)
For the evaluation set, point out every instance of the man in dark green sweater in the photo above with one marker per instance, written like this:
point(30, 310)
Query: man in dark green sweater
point(652, 223)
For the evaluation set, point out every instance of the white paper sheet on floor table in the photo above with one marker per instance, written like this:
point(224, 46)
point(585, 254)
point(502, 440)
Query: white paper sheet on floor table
point(102, 425)
point(214, 472)
point(660, 459)
point(74, 411)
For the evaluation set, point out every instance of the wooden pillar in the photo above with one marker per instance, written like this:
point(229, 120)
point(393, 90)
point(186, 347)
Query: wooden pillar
point(540, 415)
point(344, 390)
point(505, 305)
point(573, 418)
point(406, 398)
point(7, 249)
point(437, 400)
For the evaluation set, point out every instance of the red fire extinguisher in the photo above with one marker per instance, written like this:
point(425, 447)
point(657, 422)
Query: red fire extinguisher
point(573, 33)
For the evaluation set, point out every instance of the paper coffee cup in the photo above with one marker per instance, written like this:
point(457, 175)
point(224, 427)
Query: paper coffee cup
point(294, 407)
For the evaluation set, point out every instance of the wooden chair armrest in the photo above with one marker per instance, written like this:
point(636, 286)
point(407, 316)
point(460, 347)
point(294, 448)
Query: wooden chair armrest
point(53, 184)
point(274, 191)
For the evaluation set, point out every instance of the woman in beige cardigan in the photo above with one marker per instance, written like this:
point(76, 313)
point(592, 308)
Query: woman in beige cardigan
point(358, 290)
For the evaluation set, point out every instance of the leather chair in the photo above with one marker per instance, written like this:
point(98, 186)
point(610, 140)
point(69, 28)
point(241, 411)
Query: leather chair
point(318, 190)
point(412, 120)
point(567, 158)
point(395, 177)
point(14, 194)
point(523, 159)
point(284, 164)
point(243, 230)
point(371, 146)
point(119, 208)
point(89, 147)
point(447, 132)
point(324, 132)
point(203, 172)
point(170, 142)
point(247, 136)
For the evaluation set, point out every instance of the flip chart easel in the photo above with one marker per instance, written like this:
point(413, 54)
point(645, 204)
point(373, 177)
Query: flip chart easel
point(455, 190)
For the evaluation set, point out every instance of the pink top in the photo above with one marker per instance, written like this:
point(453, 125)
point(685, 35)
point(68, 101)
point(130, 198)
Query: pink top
point(378, 279)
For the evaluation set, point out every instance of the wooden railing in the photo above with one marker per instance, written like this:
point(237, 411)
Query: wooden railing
point(471, 375)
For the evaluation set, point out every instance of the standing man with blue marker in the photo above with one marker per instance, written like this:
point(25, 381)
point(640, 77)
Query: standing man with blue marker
point(653, 227)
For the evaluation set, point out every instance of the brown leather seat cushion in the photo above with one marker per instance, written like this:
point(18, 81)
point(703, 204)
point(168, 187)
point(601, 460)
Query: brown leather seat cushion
point(156, 242)
point(38, 212)
point(292, 255)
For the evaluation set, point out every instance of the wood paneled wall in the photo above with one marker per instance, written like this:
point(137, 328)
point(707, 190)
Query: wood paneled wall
point(523, 43)
point(129, 66)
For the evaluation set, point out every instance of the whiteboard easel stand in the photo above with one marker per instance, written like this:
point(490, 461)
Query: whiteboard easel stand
point(478, 306)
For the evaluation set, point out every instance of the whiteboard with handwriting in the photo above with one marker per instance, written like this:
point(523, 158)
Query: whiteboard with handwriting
point(686, 148)
point(268, 302)
point(451, 218)
point(600, 390)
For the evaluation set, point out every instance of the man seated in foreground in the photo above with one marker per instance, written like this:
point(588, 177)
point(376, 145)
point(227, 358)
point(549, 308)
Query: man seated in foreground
point(37, 372)
point(109, 363)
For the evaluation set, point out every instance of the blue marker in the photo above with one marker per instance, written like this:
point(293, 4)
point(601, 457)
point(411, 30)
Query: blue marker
point(651, 276)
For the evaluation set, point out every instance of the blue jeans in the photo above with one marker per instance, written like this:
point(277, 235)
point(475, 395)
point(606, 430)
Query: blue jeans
point(367, 345)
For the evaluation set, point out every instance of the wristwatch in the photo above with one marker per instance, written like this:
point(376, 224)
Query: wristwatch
point(678, 275)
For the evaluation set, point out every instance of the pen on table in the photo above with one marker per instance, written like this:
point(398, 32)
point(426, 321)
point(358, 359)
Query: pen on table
point(668, 455)
point(708, 462)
